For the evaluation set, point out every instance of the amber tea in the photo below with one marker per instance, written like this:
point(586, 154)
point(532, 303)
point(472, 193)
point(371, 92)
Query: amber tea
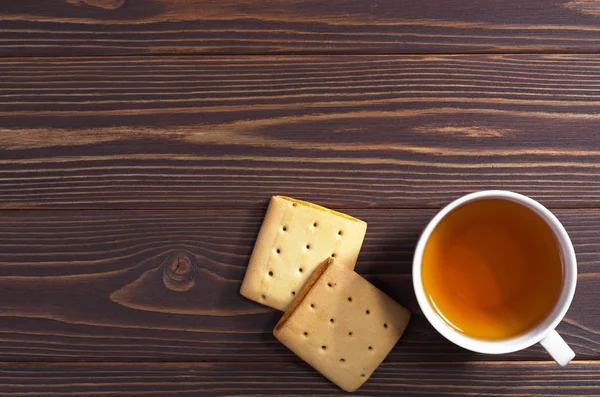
point(492, 269)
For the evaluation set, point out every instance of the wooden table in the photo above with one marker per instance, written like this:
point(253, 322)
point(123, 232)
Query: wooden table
point(133, 132)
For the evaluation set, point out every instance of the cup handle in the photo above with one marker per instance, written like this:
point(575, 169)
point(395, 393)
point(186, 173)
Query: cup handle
point(558, 348)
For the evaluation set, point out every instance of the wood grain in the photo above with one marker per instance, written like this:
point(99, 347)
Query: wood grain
point(515, 379)
point(163, 285)
point(133, 181)
point(345, 131)
point(79, 27)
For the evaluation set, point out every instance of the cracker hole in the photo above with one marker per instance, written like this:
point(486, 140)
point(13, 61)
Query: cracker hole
point(284, 228)
point(271, 274)
point(293, 292)
point(340, 232)
point(307, 246)
point(312, 305)
point(305, 333)
point(368, 311)
point(278, 251)
point(315, 224)
point(263, 296)
point(350, 333)
point(385, 325)
point(294, 204)
point(349, 299)
point(342, 360)
point(300, 270)
point(370, 347)
point(329, 285)
point(333, 255)
point(323, 347)
point(331, 320)
point(362, 375)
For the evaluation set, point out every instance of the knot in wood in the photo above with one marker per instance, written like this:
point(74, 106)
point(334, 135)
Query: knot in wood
point(179, 272)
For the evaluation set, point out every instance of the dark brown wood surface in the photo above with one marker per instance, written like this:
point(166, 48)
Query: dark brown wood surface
point(515, 379)
point(77, 27)
point(136, 135)
point(345, 131)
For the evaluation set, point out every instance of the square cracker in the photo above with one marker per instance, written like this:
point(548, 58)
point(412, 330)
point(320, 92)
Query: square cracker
point(294, 239)
point(342, 325)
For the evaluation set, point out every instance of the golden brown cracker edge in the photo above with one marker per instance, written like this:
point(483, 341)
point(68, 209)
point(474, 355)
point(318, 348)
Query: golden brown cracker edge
point(318, 272)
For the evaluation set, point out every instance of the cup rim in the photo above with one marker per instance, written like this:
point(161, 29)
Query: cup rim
point(534, 335)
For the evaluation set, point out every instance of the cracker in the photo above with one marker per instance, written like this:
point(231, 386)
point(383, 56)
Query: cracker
point(342, 325)
point(294, 239)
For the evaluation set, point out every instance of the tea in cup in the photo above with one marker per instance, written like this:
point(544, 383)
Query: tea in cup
point(495, 272)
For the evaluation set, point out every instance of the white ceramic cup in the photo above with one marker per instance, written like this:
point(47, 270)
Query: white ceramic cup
point(544, 332)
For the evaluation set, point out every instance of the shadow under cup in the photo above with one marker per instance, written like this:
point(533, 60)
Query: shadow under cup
point(494, 272)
